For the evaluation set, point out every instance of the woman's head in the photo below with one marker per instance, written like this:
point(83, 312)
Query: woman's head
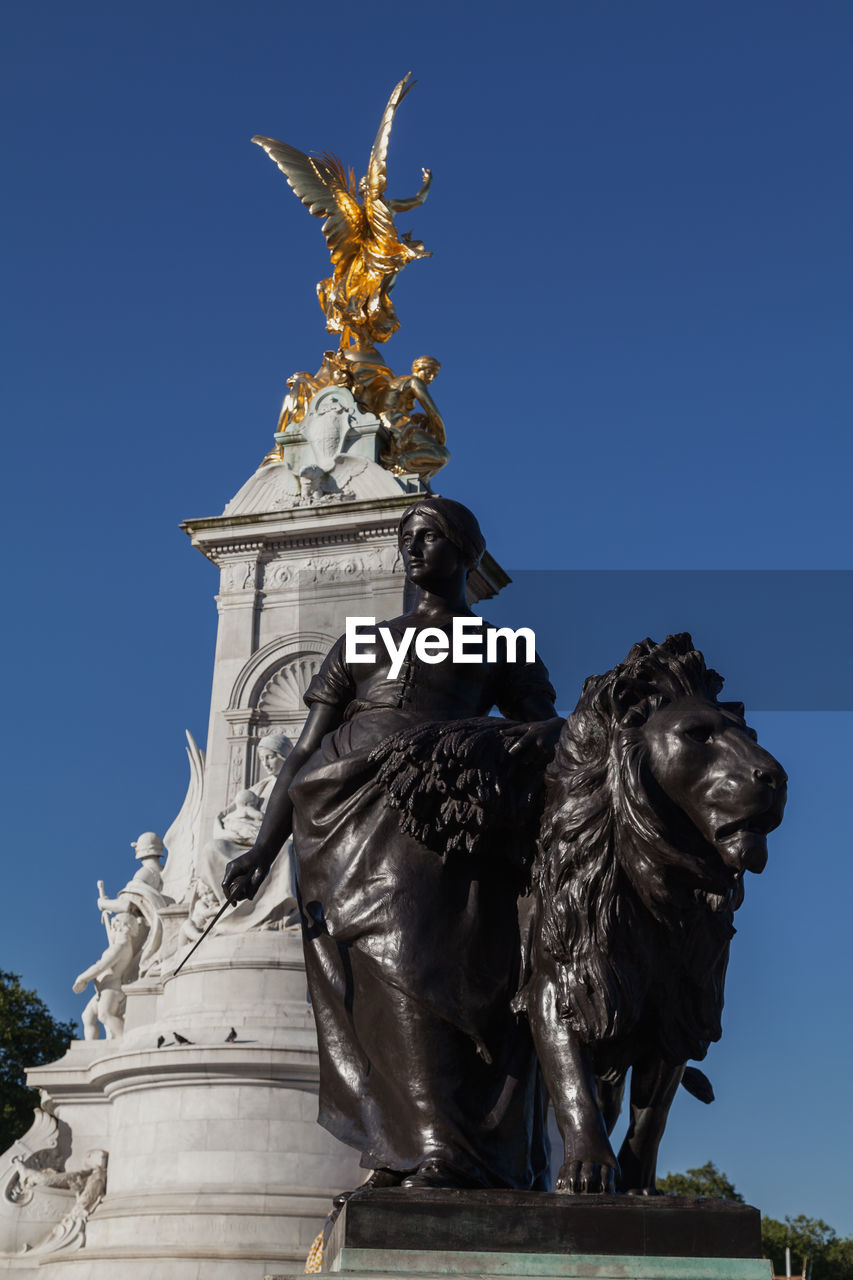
point(456, 522)
point(273, 750)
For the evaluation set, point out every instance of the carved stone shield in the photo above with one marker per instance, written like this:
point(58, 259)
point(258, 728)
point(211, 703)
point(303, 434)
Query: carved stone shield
point(327, 422)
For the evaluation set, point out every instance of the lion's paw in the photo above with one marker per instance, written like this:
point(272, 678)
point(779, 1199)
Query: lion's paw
point(586, 1177)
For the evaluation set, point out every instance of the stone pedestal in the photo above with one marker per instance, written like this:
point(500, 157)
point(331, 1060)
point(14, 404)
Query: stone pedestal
point(217, 1165)
point(525, 1234)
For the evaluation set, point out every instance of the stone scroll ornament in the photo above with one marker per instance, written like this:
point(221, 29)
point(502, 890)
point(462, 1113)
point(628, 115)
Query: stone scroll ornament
point(633, 841)
point(89, 1185)
point(44, 1208)
point(367, 255)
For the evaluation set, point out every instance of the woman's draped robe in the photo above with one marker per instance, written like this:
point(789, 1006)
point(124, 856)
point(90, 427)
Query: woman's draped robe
point(413, 959)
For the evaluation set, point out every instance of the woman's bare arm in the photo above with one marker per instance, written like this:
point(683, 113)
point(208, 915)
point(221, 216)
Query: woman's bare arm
point(244, 876)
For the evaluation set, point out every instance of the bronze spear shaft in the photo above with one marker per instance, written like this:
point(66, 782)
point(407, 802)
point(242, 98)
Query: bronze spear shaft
point(220, 913)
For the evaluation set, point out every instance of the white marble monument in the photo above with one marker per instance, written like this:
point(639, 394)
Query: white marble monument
point(184, 1142)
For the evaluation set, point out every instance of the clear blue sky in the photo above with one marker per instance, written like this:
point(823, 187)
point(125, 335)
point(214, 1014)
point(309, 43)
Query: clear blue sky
point(641, 296)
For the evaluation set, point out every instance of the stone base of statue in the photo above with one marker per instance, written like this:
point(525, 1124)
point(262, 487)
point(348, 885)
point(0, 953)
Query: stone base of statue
point(504, 1233)
point(208, 1106)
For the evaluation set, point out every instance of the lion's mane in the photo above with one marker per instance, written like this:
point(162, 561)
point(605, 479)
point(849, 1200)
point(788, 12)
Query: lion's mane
point(634, 909)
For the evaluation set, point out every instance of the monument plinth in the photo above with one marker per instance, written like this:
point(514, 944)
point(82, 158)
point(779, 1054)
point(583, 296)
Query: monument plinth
point(531, 1234)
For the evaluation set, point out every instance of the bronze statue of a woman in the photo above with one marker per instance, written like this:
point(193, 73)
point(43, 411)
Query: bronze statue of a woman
point(412, 954)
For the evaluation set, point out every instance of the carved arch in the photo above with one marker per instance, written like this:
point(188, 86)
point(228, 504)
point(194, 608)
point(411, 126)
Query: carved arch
point(281, 694)
point(267, 697)
point(267, 662)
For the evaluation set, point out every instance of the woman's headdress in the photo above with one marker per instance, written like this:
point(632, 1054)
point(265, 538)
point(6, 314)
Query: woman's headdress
point(456, 522)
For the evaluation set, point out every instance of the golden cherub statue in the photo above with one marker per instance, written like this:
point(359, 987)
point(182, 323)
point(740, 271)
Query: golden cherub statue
point(368, 253)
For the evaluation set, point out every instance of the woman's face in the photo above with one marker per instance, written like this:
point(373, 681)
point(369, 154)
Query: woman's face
point(428, 556)
point(270, 760)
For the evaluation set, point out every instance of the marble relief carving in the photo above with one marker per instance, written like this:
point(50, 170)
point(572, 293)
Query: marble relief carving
point(238, 575)
point(43, 1206)
point(373, 560)
point(282, 693)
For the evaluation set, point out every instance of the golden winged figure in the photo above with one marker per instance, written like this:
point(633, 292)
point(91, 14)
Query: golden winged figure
point(367, 251)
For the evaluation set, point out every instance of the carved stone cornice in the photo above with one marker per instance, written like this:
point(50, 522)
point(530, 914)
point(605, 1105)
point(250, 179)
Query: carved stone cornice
point(302, 527)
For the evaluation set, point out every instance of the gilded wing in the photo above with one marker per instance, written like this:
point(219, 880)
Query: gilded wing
point(379, 215)
point(326, 191)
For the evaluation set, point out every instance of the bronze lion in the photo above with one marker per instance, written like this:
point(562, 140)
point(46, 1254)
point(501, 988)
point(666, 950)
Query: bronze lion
point(658, 799)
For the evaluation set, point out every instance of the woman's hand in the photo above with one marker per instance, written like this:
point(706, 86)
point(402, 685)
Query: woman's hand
point(245, 875)
point(539, 738)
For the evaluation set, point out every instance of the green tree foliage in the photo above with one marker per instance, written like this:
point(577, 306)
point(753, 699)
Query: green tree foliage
point(828, 1256)
point(707, 1181)
point(29, 1036)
